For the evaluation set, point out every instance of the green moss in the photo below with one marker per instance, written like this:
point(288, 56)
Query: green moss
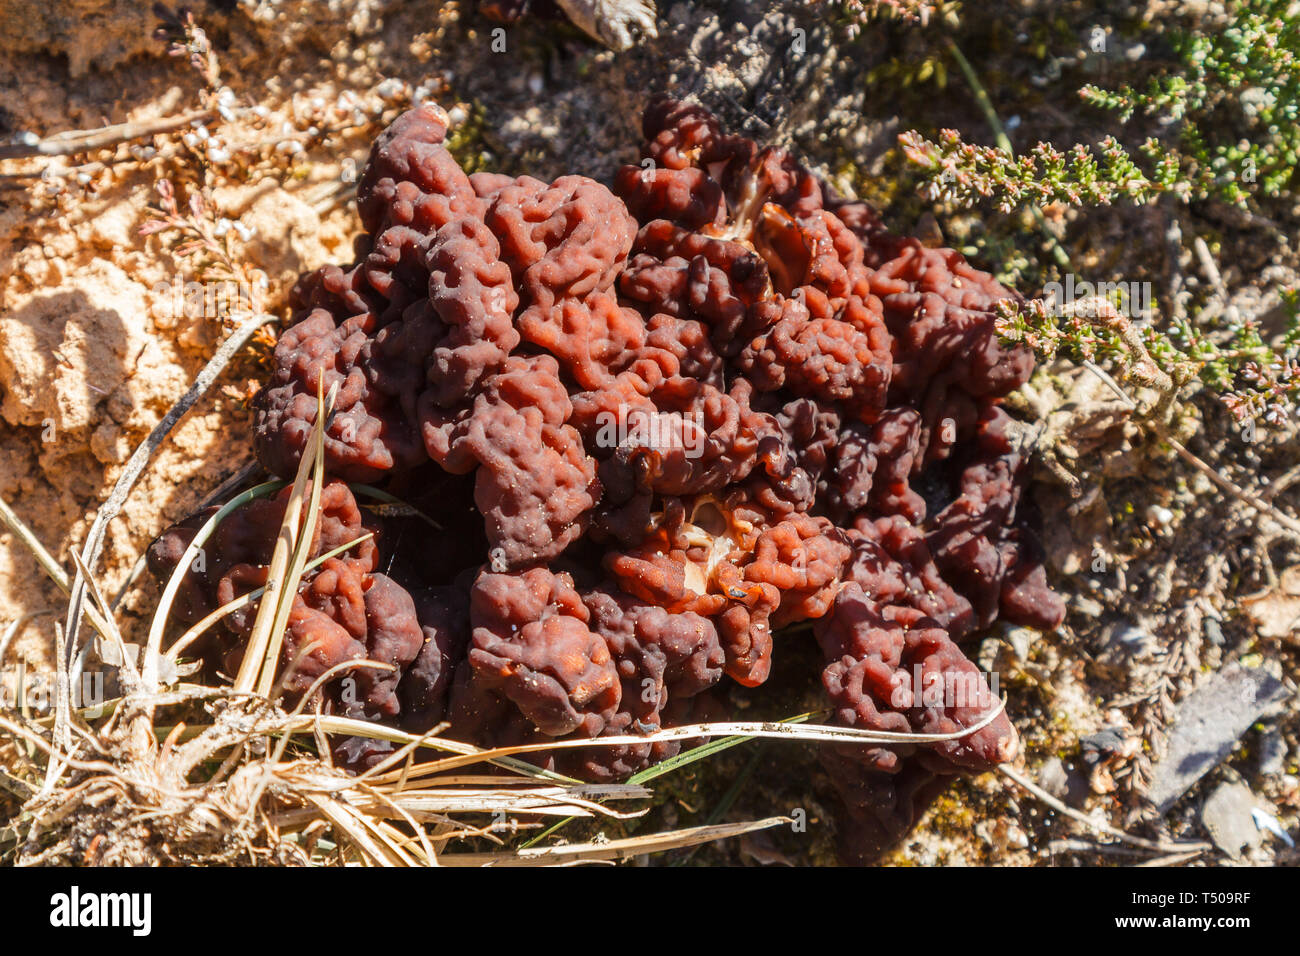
point(465, 142)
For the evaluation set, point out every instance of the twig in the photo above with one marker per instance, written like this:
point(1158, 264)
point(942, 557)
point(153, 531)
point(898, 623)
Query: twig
point(1211, 270)
point(1140, 366)
point(1173, 247)
point(1281, 483)
point(1170, 860)
point(1261, 505)
point(83, 141)
point(1011, 774)
point(1087, 846)
point(1109, 382)
point(134, 467)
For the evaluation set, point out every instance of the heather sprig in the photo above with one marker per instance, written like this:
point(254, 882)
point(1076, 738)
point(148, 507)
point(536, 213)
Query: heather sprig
point(1227, 106)
point(1254, 380)
point(965, 173)
point(1240, 77)
point(184, 37)
point(199, 236)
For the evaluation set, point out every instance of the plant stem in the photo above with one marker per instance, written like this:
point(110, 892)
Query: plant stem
point(1003, 142)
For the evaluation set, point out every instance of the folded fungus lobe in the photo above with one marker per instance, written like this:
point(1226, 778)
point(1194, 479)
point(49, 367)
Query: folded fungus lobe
point(663, 430)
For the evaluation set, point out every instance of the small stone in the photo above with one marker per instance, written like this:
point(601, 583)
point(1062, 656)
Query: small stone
point(1086, 606)
point(1265, 822)
point(1002, 834)
point(1207, 727)
point(1159, 516)
point(1213, 631)
point(390, 89)
point(1021, 640)
point(1227, 817)
point(1130, 640)
point(1052, 777)
point(1104, 742)
point(1064, 782)
point(1290, 786)
point(1272, 753)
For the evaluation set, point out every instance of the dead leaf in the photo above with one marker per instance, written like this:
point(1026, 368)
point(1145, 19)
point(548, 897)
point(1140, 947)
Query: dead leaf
point(1276, 612)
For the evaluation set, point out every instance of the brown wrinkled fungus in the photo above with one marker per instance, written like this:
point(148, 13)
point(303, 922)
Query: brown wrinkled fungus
point(657, 426)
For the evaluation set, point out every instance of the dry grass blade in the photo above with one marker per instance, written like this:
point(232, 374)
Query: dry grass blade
point(469, 755)
point(287, 589)
point(788, 731)
point(132, 470)
point(199, 629)
point(557, 803)
point(351, 822)
point(263, 649)
point(612, 849)
point(1192, 847)
point(130, 676)
point(688, 757)
point(426, 804)
point(677, 762)
point(351, 727)
point(158, 625)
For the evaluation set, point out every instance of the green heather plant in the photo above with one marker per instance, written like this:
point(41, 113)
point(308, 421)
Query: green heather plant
point(1253, 379)
point(1226, 104)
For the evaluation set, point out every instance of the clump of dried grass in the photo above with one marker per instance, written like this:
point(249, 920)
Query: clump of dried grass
point(182, 773)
